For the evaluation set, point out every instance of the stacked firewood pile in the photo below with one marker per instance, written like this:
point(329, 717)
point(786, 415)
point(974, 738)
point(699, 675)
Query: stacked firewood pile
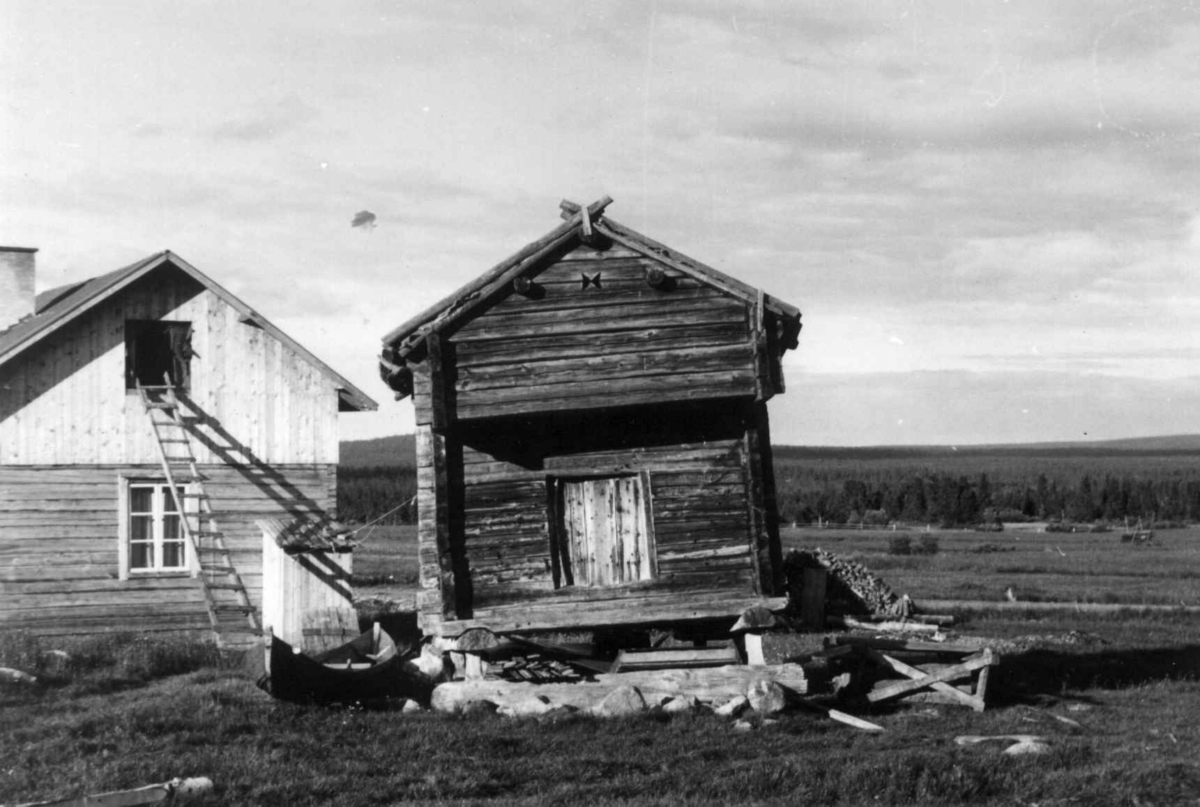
point(851, 589)
point(537, 669)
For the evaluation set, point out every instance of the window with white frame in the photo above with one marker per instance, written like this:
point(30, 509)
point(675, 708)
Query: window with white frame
point(153, 537)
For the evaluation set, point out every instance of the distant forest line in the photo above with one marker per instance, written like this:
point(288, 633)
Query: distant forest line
point(1157, 479)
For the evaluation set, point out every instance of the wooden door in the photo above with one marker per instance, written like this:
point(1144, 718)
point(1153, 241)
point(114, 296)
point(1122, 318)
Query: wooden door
point(605, 531)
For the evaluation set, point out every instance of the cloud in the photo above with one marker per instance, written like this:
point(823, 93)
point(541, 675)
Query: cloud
point(270, 121)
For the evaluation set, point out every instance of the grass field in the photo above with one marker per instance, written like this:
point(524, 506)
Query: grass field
point(1117, 696)
point(1039, 567)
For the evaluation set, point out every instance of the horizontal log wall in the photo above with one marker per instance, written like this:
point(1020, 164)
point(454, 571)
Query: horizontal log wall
point(501, 555)
point(566, 347)
point(64, 400)
point(59, 541)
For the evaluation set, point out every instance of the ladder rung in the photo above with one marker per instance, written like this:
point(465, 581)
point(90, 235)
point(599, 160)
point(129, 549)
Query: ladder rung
point(173, 440)
point(193, 495)
point(152, 405)
point(227, 586)
point(229, 609)
point(217, 569)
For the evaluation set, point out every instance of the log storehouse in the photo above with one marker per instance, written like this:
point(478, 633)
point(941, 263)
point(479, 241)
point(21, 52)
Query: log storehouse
point(593, 445)
point(148, 420)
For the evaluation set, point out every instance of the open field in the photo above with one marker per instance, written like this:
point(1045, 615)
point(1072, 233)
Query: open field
point(1050, 567)
point(1038, 567)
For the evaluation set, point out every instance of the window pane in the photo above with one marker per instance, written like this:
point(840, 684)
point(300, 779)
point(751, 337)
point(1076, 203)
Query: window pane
point(141, 556)
point(172, 554)
point(168, 501)
point(141, 499)
point(140, 528)
point(172, 529)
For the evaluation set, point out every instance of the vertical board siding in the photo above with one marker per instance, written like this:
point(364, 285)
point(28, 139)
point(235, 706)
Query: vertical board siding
point(605, 530)
point(302, 589)
point(571, 347)
point(60, 539)
point(63, 401)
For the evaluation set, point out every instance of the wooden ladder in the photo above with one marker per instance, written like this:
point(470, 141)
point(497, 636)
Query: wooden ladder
point(232, 617)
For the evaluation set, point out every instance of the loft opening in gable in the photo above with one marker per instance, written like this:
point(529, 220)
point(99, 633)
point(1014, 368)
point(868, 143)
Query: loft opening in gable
point(158, 352)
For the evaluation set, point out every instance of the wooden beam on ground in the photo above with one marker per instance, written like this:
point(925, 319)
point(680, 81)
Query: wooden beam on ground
point(885, 627)
point(851, 720)
point(150, 794)
point(841, 717)
point(922, 680)
point(675, 657)
point(706, 684)
point(909, 645)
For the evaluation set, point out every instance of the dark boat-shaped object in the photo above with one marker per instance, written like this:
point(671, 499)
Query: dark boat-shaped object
point(366, 670)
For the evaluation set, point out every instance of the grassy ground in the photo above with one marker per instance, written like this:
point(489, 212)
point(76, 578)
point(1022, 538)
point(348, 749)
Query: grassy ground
point(1060, 567)
point(1118, 697)
point(141, 712)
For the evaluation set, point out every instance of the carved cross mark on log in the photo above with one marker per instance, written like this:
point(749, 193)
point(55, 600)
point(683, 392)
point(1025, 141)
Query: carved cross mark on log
point(590, 280)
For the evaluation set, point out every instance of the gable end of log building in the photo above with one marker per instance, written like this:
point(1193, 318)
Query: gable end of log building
point(592, 436)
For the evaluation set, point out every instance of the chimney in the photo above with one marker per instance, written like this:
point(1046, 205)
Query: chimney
point(16, 285)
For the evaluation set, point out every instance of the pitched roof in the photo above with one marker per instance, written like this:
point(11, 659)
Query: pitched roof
point(307, 533)
point(444, 313)
point(57, 307)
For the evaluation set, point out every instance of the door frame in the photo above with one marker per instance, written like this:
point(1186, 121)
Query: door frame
point(563, 575)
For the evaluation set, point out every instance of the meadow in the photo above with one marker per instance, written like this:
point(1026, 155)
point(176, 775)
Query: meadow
point(1117, 696)
point(1035, 566)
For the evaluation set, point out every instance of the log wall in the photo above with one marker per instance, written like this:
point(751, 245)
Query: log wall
point(570, 347)
point(59, 540)
point(64, 400)
point(498, 543)
point(608, 364)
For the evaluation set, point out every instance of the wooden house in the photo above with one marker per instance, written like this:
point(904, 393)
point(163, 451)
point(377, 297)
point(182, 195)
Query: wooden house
point(148, 419)
point(593, 447)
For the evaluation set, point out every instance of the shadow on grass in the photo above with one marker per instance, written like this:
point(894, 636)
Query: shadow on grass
point(1031, 676)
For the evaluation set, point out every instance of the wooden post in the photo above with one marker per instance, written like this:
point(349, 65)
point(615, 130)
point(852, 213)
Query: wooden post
point(469, 646)
point(437, 598)
point(812, 599)
point(770, 505)
point(751, 625)
point(439, 413)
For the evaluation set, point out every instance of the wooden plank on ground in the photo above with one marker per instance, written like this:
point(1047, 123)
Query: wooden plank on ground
point(921, 679)
point(706, 684)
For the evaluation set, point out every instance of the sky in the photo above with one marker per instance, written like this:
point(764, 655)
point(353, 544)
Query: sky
point(988, 212)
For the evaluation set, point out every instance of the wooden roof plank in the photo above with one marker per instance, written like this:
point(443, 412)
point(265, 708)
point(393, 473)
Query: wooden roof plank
point(402, 338)
point(410, 336)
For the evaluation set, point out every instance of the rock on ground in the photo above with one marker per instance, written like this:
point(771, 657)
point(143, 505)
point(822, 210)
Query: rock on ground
point(473, 708)
point(679, 703)
point(733, 707)
point(767, 697)
point(624, 700)
point(532, 706)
